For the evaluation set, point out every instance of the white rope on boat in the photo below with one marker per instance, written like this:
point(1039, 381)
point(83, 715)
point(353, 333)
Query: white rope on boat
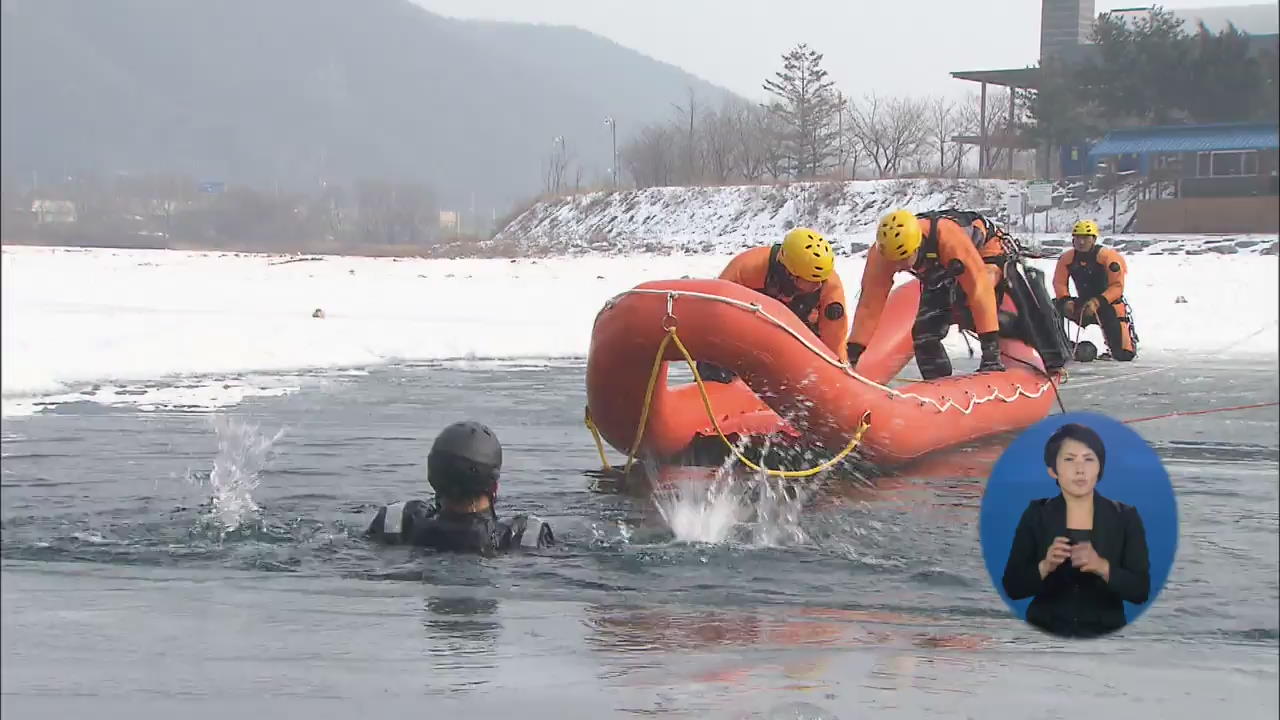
point(825, 352)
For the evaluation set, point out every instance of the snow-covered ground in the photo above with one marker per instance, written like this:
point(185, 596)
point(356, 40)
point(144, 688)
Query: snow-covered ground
point(160, 328)
point(727, 219)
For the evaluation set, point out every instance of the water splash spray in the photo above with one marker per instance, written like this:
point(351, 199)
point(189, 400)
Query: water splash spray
point(753, 508)
point(242, 454)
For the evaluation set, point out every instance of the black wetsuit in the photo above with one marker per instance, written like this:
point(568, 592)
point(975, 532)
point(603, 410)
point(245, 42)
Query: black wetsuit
point(415, 522)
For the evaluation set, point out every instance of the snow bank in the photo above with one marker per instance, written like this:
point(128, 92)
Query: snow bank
point(73, 317)
point(727, 219)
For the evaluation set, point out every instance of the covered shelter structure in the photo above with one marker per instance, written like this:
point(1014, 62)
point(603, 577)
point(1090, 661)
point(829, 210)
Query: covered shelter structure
point(1014, 79)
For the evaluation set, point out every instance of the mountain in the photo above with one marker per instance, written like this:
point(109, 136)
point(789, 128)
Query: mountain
point(297, 92)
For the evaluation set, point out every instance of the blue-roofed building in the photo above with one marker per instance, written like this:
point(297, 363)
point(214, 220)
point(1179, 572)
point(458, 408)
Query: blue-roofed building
point(1065, 27)
point(1220, 160)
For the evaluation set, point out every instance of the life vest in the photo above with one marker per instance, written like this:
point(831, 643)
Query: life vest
point(778, 284)
point(1089, 275)
point(929, 268)
point(415, 522)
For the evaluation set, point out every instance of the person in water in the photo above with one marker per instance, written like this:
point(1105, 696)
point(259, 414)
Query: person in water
point(1078, 554)
point(947, 252)
point(799, 272)
point(1099, 274)
point(463, 468)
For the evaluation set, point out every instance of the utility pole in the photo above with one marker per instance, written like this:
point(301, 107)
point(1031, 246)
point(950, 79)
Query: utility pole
point(613, 130)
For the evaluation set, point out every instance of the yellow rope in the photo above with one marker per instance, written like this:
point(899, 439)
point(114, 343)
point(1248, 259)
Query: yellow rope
point(706, 404)
point(648, 400)
point(595, 433)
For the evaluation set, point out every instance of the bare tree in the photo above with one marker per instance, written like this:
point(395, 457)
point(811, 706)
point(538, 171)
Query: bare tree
point(650, 157)
point(773, 138)
point(749, 122)
point(853, 152)
point(843, 145)
point(890, 131)
point(944, 120)
point(720, 147)
point(553, 168)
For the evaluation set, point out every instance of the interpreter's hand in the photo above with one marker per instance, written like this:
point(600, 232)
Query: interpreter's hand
point(1086, 559)
point(1091, 307)
point(1069, 309)
point(1059, 550)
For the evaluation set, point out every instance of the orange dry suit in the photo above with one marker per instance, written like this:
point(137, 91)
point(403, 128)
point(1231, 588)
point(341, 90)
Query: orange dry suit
point(1098, 274)
point(822, 310)
point(958, 265)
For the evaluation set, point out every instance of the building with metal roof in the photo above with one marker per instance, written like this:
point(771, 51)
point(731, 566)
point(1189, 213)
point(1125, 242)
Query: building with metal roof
point(1188, 138)
point(1218, 160)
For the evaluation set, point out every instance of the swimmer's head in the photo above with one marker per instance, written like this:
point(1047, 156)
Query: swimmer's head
point(465, 462)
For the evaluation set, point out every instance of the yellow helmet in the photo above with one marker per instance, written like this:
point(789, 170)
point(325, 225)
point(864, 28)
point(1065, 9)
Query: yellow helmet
point(807, 255)
point(1085, 227)
point(899, 235)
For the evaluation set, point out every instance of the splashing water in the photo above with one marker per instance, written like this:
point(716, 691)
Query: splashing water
point(242, 453)
point(708, 516)
point(752, 508)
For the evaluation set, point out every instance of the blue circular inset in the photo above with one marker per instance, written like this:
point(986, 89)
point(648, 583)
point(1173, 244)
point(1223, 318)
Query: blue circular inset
point(1132, 474)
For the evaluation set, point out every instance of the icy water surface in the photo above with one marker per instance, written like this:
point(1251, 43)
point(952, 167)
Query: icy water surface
point(169, 563)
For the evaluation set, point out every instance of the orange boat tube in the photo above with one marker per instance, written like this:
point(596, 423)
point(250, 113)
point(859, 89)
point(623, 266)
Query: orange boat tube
point(788, 381)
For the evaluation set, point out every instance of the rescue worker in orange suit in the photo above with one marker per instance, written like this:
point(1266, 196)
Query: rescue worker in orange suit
point(1098, 273)
point(800, 273)
point(954, 277)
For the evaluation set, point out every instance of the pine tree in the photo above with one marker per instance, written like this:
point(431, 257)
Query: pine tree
point(1152, 72)
point(806, 105)
point(1141, 70)
point(1225, 83)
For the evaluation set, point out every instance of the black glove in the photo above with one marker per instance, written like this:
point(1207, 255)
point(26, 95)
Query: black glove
point(990, 353)
point(855, 352)
point(714, 373)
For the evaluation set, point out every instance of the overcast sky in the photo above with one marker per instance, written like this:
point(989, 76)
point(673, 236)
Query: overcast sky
point(900, 47)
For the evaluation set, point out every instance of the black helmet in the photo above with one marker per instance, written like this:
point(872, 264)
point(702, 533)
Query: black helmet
point(465, 461)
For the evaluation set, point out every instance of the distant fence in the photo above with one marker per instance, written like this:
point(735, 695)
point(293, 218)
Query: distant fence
point(1210, 215)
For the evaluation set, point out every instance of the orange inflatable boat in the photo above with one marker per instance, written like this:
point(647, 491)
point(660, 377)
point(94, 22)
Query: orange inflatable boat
point(788, 382)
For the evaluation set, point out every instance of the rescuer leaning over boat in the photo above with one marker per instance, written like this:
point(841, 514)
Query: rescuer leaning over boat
point(800, 273)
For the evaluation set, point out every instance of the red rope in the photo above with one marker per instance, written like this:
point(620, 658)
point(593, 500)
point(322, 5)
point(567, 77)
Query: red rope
point(1202, 412)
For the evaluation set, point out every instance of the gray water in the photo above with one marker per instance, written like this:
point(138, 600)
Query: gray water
point(127, 594)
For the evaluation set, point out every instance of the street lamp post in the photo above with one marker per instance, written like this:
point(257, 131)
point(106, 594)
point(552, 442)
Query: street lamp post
point(613, 130)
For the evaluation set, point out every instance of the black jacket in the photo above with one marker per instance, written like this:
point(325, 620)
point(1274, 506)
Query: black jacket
point(1067, 601)
point(425, 525)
